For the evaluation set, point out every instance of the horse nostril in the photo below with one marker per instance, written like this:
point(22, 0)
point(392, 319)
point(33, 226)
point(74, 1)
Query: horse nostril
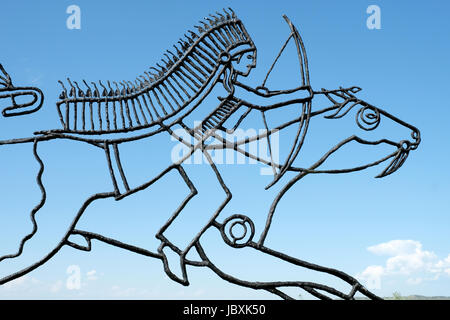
point(405, 145)
point(415, 134)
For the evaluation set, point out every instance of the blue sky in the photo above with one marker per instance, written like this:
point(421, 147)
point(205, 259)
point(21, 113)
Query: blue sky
point(394, 228)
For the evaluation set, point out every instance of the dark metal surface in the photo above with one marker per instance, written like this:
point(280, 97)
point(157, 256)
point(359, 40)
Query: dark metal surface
point(8, 90)
point(163, 97)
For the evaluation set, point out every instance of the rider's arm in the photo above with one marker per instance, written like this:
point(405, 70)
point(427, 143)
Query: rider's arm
point(272, 99)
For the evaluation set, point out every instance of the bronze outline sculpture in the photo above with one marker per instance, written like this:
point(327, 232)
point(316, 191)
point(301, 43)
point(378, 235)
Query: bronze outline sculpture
point(161, 99)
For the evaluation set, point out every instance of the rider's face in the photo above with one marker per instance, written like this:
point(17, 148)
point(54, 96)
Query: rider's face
point(244, 62)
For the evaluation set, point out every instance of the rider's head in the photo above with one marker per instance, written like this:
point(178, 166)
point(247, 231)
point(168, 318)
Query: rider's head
point(240, 59)
point(227, 38)
point(243, 59)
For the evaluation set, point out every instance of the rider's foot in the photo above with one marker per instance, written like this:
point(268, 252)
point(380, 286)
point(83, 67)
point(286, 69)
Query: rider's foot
point(174, 263)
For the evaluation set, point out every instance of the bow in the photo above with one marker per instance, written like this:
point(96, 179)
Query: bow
point(301, 53)
point(306, 106)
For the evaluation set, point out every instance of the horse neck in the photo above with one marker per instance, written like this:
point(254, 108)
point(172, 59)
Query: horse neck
point(331, 97)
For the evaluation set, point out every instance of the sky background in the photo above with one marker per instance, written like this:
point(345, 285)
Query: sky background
point(393, 229)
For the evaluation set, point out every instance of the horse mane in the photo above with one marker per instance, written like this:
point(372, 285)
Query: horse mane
point(5, 79)
point(159, 93)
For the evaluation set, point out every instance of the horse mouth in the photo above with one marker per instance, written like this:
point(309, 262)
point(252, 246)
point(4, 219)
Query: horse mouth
point(395, 164)
point(16, 108)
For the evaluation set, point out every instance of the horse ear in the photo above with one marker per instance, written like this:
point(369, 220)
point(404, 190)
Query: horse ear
point(343, 100)
point(355, 89)
point(5, 79)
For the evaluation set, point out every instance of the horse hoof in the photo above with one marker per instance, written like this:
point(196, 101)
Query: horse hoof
point(237, 231)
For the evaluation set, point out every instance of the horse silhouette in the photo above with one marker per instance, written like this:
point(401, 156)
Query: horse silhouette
point(103, 119)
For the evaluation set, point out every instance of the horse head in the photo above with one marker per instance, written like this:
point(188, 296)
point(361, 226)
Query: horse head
point(20, 100)
point(366, 130)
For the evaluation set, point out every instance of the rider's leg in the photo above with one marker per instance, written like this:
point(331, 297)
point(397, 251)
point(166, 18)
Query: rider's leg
point(140, 166)
point(181, 232)
point(139, 160)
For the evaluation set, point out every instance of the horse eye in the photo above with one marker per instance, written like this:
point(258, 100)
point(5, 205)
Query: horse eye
point(249, 56)
point(368, 118)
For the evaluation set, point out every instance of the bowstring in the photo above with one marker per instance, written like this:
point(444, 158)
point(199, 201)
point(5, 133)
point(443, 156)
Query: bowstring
point(263, 85)
point(276, 59)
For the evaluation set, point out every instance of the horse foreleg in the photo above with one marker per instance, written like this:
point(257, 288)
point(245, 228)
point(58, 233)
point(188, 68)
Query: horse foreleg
point(318, 290)
point(356, 286)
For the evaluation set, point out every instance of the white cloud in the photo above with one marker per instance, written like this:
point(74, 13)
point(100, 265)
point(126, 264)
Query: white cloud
point(57, 286)
point(408, 263)
point(373, 271)
point(396, 247)
point(407, 258)
point(26, 287)
point(16, 283)
point(92, 275)
point(414, 281)
point(126, 293)
point(372, 276)
point(22, 283)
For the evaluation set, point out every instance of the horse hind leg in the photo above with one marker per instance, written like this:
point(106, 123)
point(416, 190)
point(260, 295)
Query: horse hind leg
point(81, 237)
point(18, 270)
point(43, 196)
point(61, 206)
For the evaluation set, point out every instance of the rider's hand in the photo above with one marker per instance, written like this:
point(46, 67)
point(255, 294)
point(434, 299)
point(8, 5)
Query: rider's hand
point(262, 90)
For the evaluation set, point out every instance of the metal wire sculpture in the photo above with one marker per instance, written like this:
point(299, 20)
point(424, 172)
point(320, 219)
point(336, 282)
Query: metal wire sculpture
point(107, 116)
